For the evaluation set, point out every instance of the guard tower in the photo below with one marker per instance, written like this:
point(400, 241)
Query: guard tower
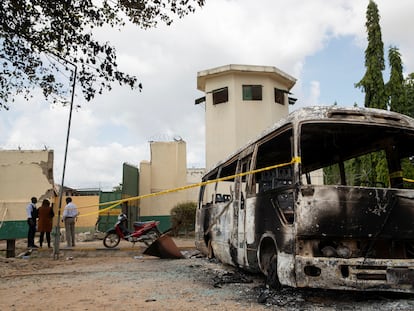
point(240, 102)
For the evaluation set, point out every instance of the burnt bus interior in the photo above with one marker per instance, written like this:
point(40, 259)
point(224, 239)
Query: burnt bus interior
point(276, 149)
point(335, 144)
point(369, 167)
point(222, 191)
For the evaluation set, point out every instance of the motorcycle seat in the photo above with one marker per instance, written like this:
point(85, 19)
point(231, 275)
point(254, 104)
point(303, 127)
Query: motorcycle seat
point(142, 223)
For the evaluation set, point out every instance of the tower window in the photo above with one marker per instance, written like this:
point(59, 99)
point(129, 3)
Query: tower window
point(220, 95)
point(279, 96)
point(252, 92)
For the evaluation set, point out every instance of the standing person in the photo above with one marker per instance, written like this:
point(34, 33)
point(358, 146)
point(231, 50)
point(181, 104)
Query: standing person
point(44, 225)
point(69, 217)
point(31, 212)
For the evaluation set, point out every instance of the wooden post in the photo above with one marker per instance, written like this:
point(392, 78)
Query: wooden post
point(11, 248)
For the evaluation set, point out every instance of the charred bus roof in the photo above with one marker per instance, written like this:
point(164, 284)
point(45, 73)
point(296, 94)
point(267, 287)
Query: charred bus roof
point(320, 114)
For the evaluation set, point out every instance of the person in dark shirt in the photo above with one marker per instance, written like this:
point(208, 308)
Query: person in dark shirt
point(31, 212)
point(45, 222)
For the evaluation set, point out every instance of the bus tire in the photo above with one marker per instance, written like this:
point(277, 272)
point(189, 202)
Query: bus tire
point(272, 279)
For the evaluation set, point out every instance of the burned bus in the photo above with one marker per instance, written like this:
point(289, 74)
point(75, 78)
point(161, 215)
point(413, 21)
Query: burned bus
point(323, 199)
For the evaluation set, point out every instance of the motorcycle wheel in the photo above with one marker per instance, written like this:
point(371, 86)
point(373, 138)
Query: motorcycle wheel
point(153, 234)
point(111, 240)
point(156, 231)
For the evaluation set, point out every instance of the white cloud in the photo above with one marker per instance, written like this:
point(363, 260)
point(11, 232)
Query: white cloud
point(309, 94)
point(100, 166)
point(116, 127)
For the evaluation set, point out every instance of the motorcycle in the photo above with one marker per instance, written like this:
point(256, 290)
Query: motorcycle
point(146, 232)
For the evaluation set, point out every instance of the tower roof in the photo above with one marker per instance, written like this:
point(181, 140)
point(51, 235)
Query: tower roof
point(274, 72)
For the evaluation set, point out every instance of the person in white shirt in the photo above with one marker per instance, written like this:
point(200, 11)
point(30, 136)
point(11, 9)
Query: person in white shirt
point(70, 213)
point(31, 212)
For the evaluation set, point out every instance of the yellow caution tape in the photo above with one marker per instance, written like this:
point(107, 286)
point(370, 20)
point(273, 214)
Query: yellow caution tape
point(144, 196)
point(396, 174)
point(112, 212)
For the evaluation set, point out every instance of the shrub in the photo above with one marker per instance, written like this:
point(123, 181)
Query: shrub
point(183, 217)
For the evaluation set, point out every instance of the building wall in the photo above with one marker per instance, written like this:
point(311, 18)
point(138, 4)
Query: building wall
point(23, 174)
point(194, 176)
point(88, 207)
point(166, 170)
point(144, 184)
point(231, 125)
point(254, 116)
point(220, 120)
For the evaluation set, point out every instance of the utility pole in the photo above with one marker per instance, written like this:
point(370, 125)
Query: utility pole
point(57, 228)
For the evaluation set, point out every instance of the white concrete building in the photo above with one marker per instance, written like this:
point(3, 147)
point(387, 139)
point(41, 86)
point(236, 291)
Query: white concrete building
point(240, 102)
point(166, 170)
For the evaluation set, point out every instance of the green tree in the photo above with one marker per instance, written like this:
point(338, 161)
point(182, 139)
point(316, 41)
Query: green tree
point(183, 217)
point(372, 83)
point(409, 90)
point(395, 86)
point(407, 166)
point(370, 168)
point(35, 35)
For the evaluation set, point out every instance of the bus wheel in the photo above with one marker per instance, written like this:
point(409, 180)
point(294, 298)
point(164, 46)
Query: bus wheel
point(210, 254)
point(271, 278)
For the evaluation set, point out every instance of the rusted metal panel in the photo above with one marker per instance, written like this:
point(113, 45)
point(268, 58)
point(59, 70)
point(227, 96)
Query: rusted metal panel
point(165, 248)
point(355, 273)
point(286, 268)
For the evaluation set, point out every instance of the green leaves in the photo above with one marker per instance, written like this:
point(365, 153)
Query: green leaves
point(395, 86)
point(183, 216)
point(397, 93)
point(372, 83)
point(37, 37)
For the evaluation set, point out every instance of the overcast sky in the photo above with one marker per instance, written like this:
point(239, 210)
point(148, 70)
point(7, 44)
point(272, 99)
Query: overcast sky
point(320, 43)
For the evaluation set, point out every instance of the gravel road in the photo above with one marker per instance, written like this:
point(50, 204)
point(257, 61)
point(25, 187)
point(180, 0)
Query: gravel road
point(139, 282)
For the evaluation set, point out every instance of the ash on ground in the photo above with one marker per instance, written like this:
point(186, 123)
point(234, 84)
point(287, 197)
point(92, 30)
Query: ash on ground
point(252, 288)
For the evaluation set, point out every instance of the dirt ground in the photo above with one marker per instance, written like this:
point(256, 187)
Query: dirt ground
point(129, 280)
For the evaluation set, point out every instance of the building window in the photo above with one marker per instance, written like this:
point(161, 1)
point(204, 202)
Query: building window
point(200, 100)
point(279, 96)
point(220, 96)
point(252, 92)
point(292, 100)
